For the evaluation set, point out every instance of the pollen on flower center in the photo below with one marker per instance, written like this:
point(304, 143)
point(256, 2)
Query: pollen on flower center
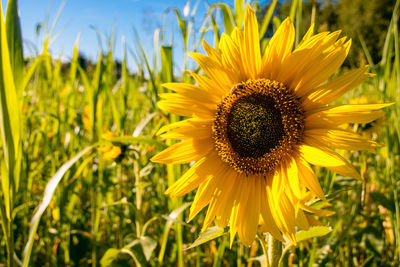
point(257, 125)
point(254, 125)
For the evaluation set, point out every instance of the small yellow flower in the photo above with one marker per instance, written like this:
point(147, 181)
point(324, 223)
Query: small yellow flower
point(257, 122)
point(86, 118)
point(109, 152)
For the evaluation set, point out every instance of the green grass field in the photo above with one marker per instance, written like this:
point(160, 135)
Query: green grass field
point(78, 188)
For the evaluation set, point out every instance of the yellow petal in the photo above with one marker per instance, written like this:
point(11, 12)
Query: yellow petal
point(325, 157)
point(279, 47)
point(202, 170)
point(211, 52)
point(173, 125)
point(251, 56)
point(235, 208)
point(333, 116)
point(221, 199)
point(301, 220)
point(309, 179)
point(207, 190)
point(214, 70)
point(212, 206)
point(182, 124)
point(177, 104)
point(238, 38)
point(208, 84)
point(225, 203)
point(332, 90)
point(247, 224)
point(195, 128)
point(193, 92)
point(294, 68)
point(328, 63)
point(185, 151)
point(112, 152)
point(286, 214)
point(269, 222)
point(293, 178)
point(317, 212)
point(231, 59)
point(342, 139)
point(308, 35)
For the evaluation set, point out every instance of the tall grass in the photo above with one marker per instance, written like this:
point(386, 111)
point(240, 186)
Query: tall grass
point(65, 202)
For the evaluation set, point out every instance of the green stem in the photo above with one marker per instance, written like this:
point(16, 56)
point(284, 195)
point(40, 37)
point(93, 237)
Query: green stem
point(274, 251)
point(264, 248)
point(283, 255)
point(93, 219)
point(10, 249)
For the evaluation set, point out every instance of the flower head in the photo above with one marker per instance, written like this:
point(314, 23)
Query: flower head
point(109, 152)
point(257, 122)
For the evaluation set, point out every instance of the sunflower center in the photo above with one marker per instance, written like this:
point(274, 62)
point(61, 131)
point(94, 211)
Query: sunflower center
point(257, 125)
point(254, 125)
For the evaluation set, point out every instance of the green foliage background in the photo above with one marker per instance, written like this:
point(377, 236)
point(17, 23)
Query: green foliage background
point(64, 202)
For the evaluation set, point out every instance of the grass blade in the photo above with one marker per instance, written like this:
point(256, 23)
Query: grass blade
point(14, 38)
point(47, 196)
point(267, 19)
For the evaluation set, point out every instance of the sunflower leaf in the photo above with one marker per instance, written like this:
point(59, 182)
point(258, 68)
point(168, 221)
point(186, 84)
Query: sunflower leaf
point(316, 231)
point(209, 234)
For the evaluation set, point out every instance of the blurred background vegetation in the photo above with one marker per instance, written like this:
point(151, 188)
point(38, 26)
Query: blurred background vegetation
point(81, 190)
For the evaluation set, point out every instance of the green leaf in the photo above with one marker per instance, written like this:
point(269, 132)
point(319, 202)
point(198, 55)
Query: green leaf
point(170, 220)
point(277, 22)
point(239, 12)
point(47, 196)
point(9, 120)
point(209, 234)
point(267, 19)
point(139, 128)
point(30, 71)
point(227, 15)
point(148, 245)
point(5, 186)
point(74, 62)
point(216, 30)
point(182, 27)
point(167, 74)
point(110, 256)
point(312, 232)
point(14, 38)
point(293, 8)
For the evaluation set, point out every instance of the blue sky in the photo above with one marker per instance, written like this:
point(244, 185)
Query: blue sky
point(78, 15)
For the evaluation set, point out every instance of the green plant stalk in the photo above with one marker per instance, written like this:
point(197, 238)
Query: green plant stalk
point(178, 235)
point(274, 251)
point(93, 217)
point(10, 247)
point(239, 255)
point(264, 249)
point(220, 253)
point(313, 12)
point(298, 21)
point(172, 177)
point(283, 255)
point(121, 208)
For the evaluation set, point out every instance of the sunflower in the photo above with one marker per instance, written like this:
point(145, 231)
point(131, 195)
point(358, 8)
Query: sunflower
point(256, 124)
